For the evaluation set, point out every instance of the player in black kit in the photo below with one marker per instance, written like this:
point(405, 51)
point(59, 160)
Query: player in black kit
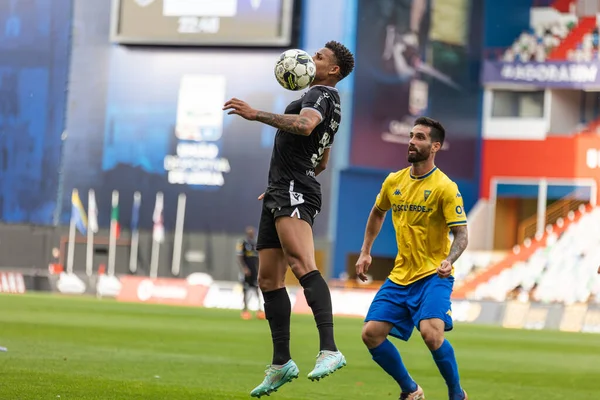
point(248, 260)
point(290, 204)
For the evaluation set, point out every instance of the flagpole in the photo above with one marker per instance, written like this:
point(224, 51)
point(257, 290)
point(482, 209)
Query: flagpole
point(71, 246)
point(155, 240)
point(178, 239)
point(135, 233)
point(112, 241)
point(89, 256)
point(154, 259)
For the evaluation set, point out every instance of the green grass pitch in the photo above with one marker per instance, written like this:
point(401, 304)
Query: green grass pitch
point(84, 348)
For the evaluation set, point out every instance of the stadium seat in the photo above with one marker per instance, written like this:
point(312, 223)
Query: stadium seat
point(564, 271)
point(540, 40)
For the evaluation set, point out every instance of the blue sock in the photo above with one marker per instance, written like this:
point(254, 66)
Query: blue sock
point(446, 362)
point(388, 358)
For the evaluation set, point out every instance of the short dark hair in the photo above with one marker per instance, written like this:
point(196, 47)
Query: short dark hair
point(343, 56)
point(437, 131)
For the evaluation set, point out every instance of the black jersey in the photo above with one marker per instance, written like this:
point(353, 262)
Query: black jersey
point(247, 249)
point(295, 157)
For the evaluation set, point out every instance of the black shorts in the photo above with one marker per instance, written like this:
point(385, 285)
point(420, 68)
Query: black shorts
point(278, 203)
point(252, 280)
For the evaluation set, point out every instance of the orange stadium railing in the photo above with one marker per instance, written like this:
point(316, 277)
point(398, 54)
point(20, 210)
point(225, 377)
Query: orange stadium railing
point(559, 209)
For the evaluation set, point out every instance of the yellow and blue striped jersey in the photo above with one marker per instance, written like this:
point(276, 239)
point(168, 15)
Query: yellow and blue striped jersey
point(423, 210)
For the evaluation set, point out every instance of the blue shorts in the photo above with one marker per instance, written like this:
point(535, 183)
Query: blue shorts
point(406, 306)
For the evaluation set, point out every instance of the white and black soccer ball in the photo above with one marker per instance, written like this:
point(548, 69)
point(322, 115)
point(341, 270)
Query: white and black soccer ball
point(295, 69)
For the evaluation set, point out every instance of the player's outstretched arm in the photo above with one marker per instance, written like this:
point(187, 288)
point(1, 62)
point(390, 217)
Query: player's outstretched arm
point(373, 228)
point(302, 124)
point(459, 244)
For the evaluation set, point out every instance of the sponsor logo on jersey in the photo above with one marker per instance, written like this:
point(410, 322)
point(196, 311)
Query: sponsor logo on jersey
point(411, 208)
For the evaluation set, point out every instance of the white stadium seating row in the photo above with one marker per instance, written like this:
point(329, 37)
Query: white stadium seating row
point(564, 271)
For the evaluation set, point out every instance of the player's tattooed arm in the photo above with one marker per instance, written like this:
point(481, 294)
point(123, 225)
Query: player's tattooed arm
point(459, 244)
point(302, 124)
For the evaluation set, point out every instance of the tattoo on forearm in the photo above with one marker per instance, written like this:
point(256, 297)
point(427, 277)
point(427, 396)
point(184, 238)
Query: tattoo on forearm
point(297, 124)
point(459, 244)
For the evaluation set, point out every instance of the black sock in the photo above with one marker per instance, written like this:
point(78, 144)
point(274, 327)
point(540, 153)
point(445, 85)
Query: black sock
point(245, 298)
point(318, 298)
point(277, 310)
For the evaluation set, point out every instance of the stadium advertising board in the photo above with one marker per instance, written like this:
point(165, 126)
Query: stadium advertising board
point(161, 291)
point(550, 74)
point(400, 76)
point(345, 302)
point(12, 282)
point(82, 284)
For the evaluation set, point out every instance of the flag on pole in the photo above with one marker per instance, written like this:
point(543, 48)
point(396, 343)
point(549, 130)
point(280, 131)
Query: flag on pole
point(158, 232)
point(135, 213)
point(114, 217)
point(92, 212)
point(78, 213)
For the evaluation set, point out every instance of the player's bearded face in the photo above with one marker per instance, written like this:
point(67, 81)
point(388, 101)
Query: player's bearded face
point(416, 154)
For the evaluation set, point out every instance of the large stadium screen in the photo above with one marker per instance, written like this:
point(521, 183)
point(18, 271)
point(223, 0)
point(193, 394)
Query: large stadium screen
point(262, 23)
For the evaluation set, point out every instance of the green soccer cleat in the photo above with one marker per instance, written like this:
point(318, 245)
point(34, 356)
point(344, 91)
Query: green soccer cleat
point(327, 363)
point(276, 377)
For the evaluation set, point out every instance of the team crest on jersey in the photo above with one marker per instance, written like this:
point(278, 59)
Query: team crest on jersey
point(426, 194)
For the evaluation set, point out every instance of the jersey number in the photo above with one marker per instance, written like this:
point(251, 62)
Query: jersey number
point(317, 157)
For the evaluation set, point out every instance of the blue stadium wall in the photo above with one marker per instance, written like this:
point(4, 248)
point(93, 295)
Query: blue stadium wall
point(34, 65)
point(505, 20)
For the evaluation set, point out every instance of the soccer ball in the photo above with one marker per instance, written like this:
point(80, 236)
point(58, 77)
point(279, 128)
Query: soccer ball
point(295, 69)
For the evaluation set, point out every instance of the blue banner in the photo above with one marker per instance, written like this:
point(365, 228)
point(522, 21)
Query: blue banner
point(557, 74)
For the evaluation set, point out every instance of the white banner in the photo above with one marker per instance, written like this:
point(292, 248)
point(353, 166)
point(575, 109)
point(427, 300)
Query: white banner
point(199, 8)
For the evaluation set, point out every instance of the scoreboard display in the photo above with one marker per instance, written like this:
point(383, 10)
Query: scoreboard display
point(264, 23)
